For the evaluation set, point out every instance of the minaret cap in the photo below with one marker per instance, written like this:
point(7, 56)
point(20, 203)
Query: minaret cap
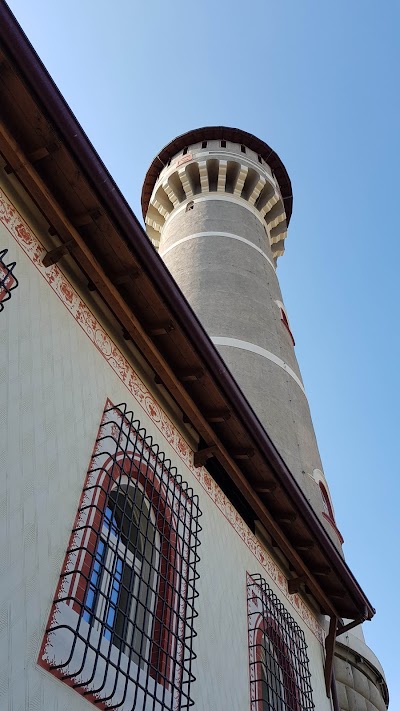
point(210, 133)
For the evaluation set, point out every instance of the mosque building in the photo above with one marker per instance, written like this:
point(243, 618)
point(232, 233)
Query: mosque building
point(168, 535)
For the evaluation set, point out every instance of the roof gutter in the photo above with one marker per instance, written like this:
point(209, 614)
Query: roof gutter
point(48, 95)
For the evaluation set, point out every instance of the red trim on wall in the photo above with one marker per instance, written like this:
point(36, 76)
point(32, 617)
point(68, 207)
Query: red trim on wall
point(333, 524)
point(329, 516)
point(285, 322)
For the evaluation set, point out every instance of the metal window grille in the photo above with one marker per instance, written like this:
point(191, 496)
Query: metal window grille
point(122, 625)
point(279, 668)
point(8, 281)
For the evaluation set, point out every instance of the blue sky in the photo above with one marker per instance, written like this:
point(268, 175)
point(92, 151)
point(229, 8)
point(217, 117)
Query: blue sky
point(318, 81)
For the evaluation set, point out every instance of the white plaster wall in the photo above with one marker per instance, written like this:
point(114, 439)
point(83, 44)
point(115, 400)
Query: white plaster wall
point(53, 387)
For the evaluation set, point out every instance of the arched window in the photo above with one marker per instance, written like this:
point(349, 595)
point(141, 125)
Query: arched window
point(121, 592)
point(189, 206)
point(272, 680)
point(279, 668)
point(121, 626)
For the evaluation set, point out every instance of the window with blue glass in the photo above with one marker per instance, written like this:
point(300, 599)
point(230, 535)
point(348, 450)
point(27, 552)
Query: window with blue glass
point(122, 586)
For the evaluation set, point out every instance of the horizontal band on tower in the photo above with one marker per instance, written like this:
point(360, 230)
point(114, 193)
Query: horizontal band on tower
point(253, 348)
point(217, 234)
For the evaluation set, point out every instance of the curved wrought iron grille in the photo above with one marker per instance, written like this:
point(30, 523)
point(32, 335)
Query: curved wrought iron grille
point(121, 628)
point(279, 667)
point(8, 281)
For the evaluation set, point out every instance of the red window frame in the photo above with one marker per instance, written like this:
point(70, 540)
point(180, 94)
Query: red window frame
point(160, 662)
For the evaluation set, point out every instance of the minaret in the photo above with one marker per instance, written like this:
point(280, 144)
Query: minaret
point(217, 203)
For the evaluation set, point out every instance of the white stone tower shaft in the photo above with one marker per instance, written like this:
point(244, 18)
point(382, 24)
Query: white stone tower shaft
point(218, 214)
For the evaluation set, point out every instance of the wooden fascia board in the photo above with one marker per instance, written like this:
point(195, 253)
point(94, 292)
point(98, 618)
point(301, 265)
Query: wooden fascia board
point(41, 195)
